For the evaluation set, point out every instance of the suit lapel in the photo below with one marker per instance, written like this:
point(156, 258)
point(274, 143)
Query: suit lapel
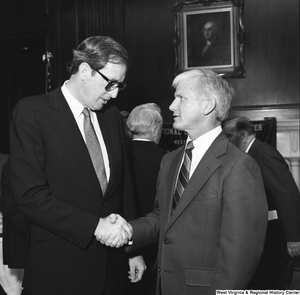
point(207, 166)
point(173, 170)
point(65, 124)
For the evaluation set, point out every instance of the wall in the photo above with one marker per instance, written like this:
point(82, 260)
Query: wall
point(271, 55)
point(145, 27)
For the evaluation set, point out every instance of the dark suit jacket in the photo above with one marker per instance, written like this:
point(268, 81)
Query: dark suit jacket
point(215, 237)
point(145, 158)
point(55, 185)
point(15, 226)
point(281, 189)
point(218, 53)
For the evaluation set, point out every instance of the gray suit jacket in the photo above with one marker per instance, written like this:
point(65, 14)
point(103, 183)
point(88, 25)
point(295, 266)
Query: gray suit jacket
point(215, 237)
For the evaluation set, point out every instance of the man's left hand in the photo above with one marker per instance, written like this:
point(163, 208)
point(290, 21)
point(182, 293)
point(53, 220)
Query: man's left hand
point(137, 267)
point(293, 248)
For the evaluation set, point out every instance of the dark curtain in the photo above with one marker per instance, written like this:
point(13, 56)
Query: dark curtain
point(266, 130)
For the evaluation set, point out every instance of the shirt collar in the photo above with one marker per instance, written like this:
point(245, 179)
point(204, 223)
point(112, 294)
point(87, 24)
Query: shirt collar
point(204, 141)
point(140, 139)
point(75, 106)
point(249, 146)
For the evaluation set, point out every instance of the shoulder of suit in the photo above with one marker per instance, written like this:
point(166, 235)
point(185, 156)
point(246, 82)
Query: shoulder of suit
point(41, 98)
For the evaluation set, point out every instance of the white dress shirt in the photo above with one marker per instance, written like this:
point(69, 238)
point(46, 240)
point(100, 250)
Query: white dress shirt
point(249, 145)
point(201, 145)
point(77, 108)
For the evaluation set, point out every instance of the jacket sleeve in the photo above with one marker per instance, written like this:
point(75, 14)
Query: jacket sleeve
point(283, 191)
point(244, 225)
point(29, 183)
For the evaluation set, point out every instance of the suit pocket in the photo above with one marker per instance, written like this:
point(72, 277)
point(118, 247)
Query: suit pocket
point(206, 195)
point(199, 276)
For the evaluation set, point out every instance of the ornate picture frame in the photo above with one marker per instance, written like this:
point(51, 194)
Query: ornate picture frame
point(210, 34)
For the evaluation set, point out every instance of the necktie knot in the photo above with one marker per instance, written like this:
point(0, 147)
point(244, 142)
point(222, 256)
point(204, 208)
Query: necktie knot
point(86, 112)
point(189, 148)
point(190, 145)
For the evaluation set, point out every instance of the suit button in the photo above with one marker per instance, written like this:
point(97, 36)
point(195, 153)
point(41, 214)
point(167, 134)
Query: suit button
point(166, 241)
point(159, 269)
point(103, 202)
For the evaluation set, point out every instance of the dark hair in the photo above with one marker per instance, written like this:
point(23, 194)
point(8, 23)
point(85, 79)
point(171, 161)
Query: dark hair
point(244, 124)
point(97, 51)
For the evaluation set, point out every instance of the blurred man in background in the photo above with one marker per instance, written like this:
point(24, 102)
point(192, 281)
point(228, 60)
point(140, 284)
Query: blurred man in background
point(276, 267)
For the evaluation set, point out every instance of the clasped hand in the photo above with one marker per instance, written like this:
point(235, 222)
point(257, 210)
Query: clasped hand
point(113, 231)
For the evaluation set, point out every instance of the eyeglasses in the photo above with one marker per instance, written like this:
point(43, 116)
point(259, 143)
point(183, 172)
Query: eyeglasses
point(112, 85)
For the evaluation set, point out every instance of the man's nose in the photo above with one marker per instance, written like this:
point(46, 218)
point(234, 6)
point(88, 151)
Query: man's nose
point(173, 105)
point(114, 93)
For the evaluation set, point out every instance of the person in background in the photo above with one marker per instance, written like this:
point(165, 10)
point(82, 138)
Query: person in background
point(145, 122)
point(10, 279)
point(276, 267)
point(69, 175)
point(124, 115)
point(14, 243)
point(210, 210)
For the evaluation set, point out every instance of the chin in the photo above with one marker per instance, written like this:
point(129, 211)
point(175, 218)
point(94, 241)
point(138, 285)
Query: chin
point(177, 127)
point(99, 106)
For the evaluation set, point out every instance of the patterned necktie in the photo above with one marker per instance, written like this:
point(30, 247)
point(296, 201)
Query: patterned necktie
point(184, 174)
point(94, 148)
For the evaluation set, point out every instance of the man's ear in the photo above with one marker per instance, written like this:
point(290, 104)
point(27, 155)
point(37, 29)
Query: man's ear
point(208, 106)
point(244, 136)
point(83, 70)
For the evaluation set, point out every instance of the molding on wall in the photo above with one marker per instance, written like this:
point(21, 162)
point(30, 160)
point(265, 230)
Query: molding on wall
point(280, 112)
point(288, 144)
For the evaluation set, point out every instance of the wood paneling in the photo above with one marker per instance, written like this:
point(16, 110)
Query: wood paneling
point(145, 28)
point(271, 54)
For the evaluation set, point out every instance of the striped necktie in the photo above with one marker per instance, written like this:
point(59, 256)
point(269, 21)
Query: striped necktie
point(184, 174)
point(94, 149)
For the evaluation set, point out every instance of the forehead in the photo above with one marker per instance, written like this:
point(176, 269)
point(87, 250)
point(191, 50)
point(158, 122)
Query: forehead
point(116, 71)
point(185, 87)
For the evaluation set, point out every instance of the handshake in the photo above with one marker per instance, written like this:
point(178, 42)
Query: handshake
point(113, 231)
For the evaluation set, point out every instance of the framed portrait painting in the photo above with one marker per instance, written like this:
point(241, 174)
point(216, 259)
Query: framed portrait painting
point(210, 34)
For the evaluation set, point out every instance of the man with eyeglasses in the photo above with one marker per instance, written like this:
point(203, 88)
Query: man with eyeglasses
point(70, 178)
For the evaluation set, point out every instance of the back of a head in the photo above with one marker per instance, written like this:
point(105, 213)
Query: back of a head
point(212, 86)
point(244, 124)
point(124, 114)
point(97, 51)
point(145, 118)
